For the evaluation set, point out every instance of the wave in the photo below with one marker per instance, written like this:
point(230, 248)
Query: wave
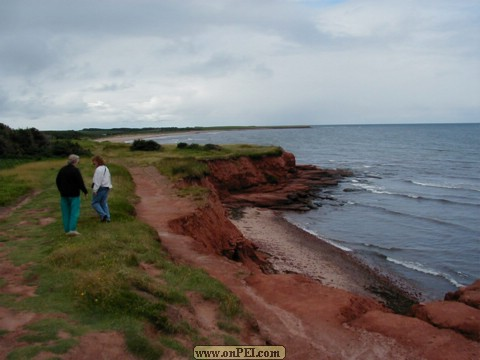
point(423, 269)
point(376, 246)
point(375, 189)
point(415, 266)
point(417, 217)
point(322, 238)
point(468, 187)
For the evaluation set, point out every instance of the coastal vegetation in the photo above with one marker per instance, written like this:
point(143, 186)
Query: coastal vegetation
point(33, 144)
point(98, 281)
point(145, 145)
point(97, 133)
point(19, 146)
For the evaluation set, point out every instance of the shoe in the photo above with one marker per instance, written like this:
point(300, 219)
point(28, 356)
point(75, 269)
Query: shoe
point(73, 233)
point(104, 218)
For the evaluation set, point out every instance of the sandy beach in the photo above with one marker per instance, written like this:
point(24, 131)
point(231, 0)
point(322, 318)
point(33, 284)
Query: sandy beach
point(146, 136)
point(293, 250)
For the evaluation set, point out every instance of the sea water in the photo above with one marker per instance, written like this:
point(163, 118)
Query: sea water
point(412, 208)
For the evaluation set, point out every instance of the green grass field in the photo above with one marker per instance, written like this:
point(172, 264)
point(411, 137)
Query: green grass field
point(95, 280)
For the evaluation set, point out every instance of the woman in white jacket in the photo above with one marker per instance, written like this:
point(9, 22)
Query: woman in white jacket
point(101, 185)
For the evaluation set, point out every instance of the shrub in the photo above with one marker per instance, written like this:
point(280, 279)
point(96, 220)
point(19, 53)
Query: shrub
point(194, 146)
point(33, 144)
point(66, 147)
point(145, 145)
point(212, 147)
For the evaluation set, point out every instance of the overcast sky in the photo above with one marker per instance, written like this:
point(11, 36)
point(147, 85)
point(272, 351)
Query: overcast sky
point(157, 63)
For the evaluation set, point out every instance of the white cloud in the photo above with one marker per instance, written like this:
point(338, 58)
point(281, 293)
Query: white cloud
point(70, 65)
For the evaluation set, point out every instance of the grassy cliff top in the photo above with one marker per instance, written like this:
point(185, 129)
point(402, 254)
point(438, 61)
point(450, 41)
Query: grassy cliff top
point(96, 282)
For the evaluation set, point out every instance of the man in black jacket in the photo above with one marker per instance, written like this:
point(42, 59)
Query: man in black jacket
point(70, 182)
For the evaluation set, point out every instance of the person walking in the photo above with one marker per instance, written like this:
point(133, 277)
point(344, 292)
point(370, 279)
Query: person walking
point(101, 184)
point(70, 182)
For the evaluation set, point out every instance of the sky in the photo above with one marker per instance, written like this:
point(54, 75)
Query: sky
point(69, 65)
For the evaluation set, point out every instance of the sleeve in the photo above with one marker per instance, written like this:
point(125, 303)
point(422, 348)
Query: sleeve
point(81, 183)
point(57, 181)
point(108, 178)
point(97, 178)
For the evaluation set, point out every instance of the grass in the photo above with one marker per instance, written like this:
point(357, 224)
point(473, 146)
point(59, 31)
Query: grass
point(95, 280)
point(230, 151)
point(11, 163)
point(182, 168)
point(12, 189)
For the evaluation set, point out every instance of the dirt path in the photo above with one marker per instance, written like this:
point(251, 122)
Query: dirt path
point(291, 310)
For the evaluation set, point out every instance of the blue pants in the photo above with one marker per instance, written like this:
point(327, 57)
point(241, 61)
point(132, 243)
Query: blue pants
point(70, 207)
point(100, 203)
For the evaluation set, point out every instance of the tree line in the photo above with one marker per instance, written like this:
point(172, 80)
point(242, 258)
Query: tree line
point(31, 143)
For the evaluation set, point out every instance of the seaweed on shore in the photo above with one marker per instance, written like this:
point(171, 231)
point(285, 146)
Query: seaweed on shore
point(398, 300)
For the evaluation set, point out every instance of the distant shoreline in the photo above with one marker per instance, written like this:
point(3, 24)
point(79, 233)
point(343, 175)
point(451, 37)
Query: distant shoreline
point(124, 137)
point(147, 136)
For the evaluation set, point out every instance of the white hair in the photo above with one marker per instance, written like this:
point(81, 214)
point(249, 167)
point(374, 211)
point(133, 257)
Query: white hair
point(73, 159)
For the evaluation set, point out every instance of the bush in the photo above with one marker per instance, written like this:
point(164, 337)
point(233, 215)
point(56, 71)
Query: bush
point(194, 146)
point(67, 147)
point(31, 143)
point(22, 142)
point(212, 147)
point(145, 145)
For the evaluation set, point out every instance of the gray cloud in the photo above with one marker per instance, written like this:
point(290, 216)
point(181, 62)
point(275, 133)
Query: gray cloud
point(220, 64)
point(74, 64)
point(24, 54)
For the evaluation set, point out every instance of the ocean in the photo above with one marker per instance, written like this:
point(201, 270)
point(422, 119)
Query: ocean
point(412, 209)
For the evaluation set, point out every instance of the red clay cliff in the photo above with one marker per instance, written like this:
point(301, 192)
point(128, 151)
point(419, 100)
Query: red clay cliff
point(312, 320)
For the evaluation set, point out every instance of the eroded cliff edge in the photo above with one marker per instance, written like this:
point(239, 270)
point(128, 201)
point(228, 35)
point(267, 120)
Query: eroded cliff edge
point(276, 182)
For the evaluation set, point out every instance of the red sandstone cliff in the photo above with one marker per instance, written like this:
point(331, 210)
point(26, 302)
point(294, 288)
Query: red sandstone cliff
point(438, 330)
point(273, 181)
